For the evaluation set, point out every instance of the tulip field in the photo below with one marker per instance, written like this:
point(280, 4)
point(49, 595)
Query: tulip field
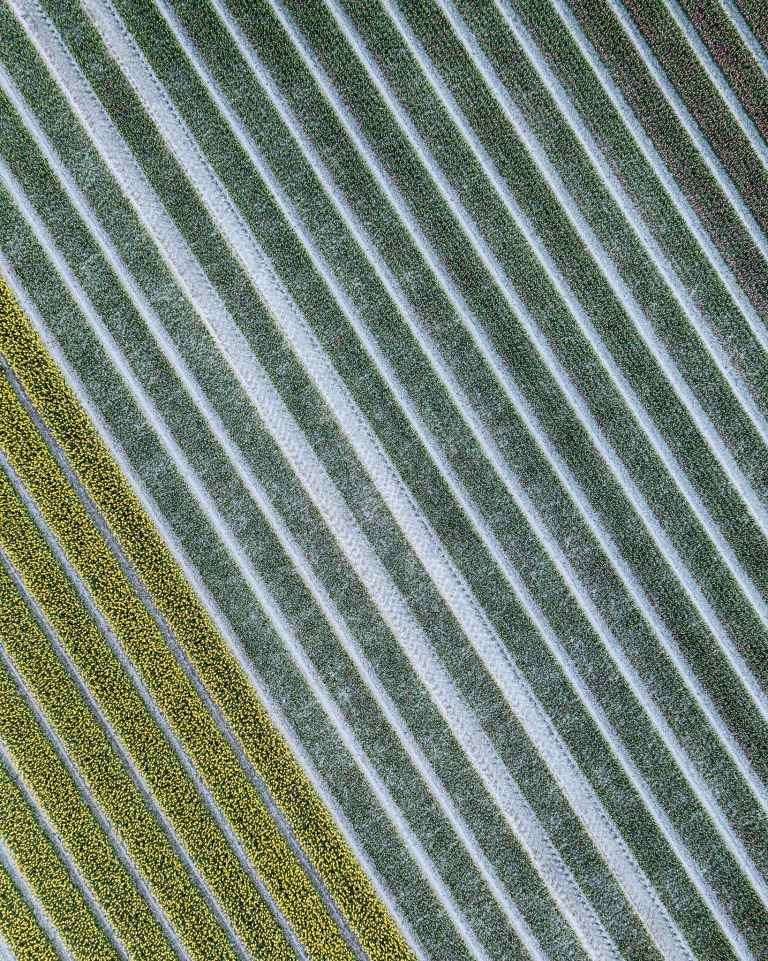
point(383, 480)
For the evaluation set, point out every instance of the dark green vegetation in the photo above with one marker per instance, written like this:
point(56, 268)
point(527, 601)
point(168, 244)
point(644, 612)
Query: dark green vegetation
point(570, 429)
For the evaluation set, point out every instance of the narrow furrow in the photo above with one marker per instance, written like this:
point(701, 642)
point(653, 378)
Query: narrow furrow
point(5, 951)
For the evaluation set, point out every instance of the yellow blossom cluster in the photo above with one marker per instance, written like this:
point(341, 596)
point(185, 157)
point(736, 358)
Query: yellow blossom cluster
point(47, 876)
point(19, 926)
point(175, 696)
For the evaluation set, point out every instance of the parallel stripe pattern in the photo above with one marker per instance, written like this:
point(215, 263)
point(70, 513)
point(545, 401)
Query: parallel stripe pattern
point(384, 479)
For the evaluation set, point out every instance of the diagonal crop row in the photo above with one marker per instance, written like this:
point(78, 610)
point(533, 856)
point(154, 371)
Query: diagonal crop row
point(195, 632)
point(689, 77)
point(48, 780)
point(19, 926)
point(148, 749)
point(88, 745)
point(329, 58)
point(268, 650)
point(47, 876)
point(170, 687)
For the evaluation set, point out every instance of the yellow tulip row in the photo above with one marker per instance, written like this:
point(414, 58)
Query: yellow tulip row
point(89, 747)
point(217, 667)
point(19, 927)
point(128, 715)
point(169, 686)
point(48, 878)
point(76, 825)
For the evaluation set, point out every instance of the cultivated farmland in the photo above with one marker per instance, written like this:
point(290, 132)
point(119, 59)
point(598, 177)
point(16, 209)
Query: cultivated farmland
point(383, 480)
